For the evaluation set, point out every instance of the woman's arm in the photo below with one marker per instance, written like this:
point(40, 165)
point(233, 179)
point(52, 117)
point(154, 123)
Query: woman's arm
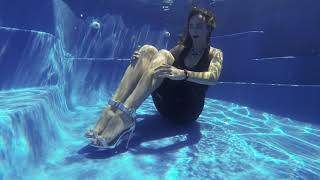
point(200, 77)
point(211, 76)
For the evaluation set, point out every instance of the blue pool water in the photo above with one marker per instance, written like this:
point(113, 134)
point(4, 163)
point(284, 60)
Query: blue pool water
point(228, 141)
point(54, 87)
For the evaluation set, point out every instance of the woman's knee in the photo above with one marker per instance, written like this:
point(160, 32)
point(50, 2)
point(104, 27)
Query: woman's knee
point(168, 56)
point(162, 57)
point(148, 51)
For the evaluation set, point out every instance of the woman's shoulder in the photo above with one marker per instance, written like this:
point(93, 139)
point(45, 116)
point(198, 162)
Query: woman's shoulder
point(214, 51)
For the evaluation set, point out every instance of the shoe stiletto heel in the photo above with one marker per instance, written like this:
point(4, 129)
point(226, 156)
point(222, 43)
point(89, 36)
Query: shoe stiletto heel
point(130, 136)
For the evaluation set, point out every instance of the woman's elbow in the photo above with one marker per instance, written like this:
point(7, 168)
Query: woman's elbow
point(214, 78)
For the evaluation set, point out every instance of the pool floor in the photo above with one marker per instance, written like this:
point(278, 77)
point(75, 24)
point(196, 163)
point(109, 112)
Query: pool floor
point(228, 141)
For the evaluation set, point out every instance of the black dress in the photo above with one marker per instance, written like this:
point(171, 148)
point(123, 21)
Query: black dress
point(182, 101)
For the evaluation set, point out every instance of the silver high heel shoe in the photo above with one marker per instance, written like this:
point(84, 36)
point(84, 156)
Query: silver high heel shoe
point(120, 137)
point(91, 133)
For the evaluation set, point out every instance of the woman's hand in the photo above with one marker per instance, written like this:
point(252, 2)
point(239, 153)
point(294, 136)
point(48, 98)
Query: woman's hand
point(136, 54)
point(168, 71)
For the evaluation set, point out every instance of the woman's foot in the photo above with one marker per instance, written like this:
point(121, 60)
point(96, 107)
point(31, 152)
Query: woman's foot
point(119, 122)
point(106, 115)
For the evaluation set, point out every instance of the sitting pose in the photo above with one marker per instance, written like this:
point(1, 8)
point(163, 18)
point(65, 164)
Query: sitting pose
point(177, 80)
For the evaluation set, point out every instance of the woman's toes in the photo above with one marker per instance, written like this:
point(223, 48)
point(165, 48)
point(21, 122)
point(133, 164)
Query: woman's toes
point(95, 141)
point(89, 133)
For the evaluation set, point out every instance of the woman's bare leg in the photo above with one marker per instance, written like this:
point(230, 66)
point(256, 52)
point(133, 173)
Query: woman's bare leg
point(147, 84)
point(134, 73)
point(128, 83)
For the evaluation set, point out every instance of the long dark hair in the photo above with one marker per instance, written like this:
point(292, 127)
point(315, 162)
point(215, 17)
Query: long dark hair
point(210, 19)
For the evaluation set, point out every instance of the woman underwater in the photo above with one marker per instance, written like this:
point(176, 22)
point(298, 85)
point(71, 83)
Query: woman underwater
point(177, 80)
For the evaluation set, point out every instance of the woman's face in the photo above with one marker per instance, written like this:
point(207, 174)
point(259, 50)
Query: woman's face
point(198, 28)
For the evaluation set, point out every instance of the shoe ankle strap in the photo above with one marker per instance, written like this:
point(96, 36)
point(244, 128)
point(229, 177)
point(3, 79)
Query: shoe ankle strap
point(131, 112)
point(113, 103)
